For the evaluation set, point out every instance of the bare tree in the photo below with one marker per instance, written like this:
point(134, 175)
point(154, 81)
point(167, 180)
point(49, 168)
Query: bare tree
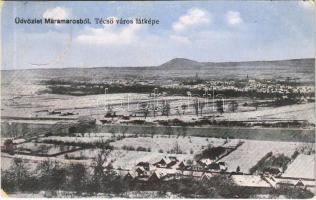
point(196, 106)
point(99, 167)
point(233, 105)
point(176, 149)
point(166, 108)
point(238, 169)
point(52, 175)
point(152, 131)
point(124, 130)
point(201, 107)
point(113, 131)
point(168, 131)
point(184, 107)
point(220, 106)
point(144, 109)
point(78, 177)
point(19, 172)
point(184, 130)
point(154, 109)
point(178, 111)
point(109, 111)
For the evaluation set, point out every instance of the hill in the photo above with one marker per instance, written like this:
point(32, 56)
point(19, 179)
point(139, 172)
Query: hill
point(182, 63)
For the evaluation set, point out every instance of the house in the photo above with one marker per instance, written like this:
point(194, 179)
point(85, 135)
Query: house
point(220, 166)
point(173, 158)
point(170, 164)
point(166, 162)
point(129, 176)
point(197, 175)
point(166, 173)
point(303, 183)
point(145, 165)
point(155, 177)
point(300, 184)
point(182, 165)
point(158, 176)
point(161, 163)
point(187, 173)
point(192, 174)
point(206, 176)
point(140, 171)
point(197, 167)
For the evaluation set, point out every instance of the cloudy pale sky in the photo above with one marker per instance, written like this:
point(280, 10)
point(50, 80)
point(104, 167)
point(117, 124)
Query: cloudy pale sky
point(203, 31)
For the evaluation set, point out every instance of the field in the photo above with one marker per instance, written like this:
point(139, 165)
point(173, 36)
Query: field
point(165, 143)
point(27, 96)
point(245, 156)
point(131, 150)
point(302, 167)
point(293, 112)
point(251, 151)
point(127, 160)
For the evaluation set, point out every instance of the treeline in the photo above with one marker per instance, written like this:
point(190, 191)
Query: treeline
point(85, 88)
point(243, 82)
point(213, 122)
point(260, 163)
point(84, 145)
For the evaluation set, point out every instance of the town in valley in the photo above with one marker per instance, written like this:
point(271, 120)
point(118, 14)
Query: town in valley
point(186, 135)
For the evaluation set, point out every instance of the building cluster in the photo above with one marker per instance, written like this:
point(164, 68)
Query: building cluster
point(170, 168)
point(260, 86)
point(266, 183)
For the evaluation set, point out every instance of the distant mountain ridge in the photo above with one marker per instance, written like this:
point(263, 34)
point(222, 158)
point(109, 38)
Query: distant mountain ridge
point(178, 68)
point(183, 63)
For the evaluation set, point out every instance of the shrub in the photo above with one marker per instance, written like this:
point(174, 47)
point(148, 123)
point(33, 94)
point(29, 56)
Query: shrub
point(141, 149)
point(211, 153)
point(295, 154)
point(128, 148)
point(260, 163)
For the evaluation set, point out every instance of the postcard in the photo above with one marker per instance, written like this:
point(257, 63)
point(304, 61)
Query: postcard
point(158, 99)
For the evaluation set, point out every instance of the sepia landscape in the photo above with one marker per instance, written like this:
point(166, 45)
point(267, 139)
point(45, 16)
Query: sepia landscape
point(158, 99)
point(225, 130)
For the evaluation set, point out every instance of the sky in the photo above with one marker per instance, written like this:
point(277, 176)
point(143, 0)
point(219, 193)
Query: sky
point(212, 31)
